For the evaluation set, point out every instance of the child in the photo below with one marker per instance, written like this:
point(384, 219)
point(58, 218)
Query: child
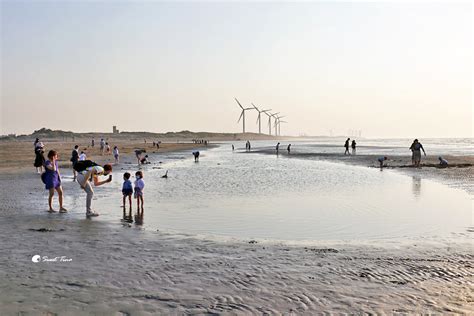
point(107, 148)
point(144, 160)
point(442, 162)
point(82, 156)
point(52, 180)
point(139, 186)
point(381, 161)
point(116, 154)
point(127, 191)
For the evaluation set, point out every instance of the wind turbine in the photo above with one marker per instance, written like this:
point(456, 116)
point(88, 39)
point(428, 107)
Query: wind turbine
point(279, 122)
point(275, 123)
point(259, 118)
point(242, 115)
point(269, 123)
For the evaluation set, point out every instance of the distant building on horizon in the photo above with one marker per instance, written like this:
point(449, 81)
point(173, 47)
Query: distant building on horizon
point(115, 130)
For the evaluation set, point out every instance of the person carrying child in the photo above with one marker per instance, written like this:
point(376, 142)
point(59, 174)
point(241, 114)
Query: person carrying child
point(39, 159)
point(52, 180)
point(139, 186)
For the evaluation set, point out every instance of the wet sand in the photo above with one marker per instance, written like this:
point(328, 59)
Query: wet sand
point(119, 268)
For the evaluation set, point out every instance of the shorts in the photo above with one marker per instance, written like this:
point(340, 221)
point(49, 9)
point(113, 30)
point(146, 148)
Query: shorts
point(127, 192)
point(138, 193)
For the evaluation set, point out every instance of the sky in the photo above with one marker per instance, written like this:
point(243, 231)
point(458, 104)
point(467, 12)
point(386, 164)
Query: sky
point(386, 69)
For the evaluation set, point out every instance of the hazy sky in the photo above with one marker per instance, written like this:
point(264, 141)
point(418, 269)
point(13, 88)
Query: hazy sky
point(388, 69)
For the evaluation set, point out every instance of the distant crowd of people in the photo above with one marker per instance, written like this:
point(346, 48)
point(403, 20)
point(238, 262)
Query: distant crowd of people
point(200, 141)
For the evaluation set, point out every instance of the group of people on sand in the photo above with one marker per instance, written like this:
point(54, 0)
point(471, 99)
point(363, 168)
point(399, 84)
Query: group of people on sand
point(141, 160)
point(86, 173)
point(416, 147)
point(200, 141)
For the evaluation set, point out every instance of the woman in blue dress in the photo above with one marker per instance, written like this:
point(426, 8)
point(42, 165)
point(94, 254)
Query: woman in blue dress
point(52, 180)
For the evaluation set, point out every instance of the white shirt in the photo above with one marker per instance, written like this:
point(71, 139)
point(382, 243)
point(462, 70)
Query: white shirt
point(82, 157)
point(139, 183)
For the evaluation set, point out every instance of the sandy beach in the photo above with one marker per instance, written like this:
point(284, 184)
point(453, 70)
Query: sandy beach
point(18, 155)
point(118, 268)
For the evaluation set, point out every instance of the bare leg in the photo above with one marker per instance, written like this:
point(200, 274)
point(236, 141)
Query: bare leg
point(50, 200)
point(138, 205)
point(130, 202)
point(60, 194)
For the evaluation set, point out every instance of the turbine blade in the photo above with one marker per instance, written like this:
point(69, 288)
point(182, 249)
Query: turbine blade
point(241, 114)
point(239, 103)
point(255, 107)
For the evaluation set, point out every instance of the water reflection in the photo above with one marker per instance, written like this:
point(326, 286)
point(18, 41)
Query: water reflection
point(139, 218)
point(257, 196)
point(129, 217)
point(416, 186)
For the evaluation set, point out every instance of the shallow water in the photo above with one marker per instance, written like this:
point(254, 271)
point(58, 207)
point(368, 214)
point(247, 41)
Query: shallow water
point(366, 146)
point(234, 194)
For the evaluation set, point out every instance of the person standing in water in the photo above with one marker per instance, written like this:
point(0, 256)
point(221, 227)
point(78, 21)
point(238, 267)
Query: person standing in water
point(74, 159)
point(416, 148)
point(277, 147)
point(52, 180)
point(139, 187)
point(288, 149)
point(116, 154)
point(196, 155)
point(232, 147)
point(353, 145)
point(127, 191)
point(346, 145)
